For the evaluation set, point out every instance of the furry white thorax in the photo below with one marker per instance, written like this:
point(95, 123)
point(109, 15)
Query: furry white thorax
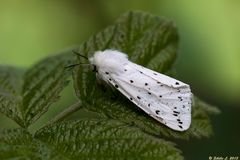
point(109, 60)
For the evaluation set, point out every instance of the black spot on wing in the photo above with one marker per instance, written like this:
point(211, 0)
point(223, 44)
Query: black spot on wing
point(180, 98)
point(176, 112)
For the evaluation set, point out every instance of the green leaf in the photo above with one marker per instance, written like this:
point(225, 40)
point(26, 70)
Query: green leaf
point(19, 144)
point(42, 85)
point(85, 139)
point(122, 131)
point(105, 139)
point(25, 96)
point(10, 92)
point(124, 111)
point(150, 41)
point(208, 108)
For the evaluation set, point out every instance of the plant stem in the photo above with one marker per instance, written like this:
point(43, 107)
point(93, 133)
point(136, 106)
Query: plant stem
point(65, 113)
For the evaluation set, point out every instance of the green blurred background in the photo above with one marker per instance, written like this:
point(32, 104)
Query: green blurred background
point(209, 51)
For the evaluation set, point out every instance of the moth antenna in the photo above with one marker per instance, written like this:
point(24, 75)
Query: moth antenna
point(74, 65)
point(78, 54)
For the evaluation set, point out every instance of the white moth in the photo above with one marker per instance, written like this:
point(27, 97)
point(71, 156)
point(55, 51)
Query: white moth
point(164, 98)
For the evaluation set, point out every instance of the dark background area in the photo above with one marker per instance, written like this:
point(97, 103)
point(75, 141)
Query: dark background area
point(209, 52)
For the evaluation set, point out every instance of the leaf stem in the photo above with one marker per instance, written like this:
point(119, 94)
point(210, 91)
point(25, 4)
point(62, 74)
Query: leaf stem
point(65, 113)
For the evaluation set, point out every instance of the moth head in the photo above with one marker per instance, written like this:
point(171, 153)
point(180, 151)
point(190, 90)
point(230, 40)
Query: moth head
point(93, 63)
point(94, 68)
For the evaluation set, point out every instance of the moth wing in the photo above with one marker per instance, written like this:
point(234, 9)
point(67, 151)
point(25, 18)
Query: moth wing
point(166, 80)
point(156, 95)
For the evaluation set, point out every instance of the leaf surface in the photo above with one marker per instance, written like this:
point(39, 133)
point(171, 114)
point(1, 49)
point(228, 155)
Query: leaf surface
point(26, 94)
point(105, 139)
point(19, 144)
point(152, 42)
